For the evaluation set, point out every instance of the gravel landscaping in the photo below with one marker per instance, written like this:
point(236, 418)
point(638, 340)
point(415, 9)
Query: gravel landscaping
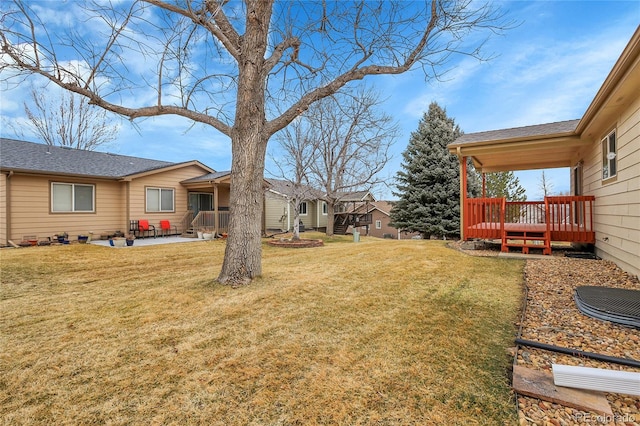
point(551, 317)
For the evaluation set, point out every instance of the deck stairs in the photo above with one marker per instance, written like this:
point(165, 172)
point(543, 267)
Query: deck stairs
point(189, 233)
point(340, 228)
point(526, 239)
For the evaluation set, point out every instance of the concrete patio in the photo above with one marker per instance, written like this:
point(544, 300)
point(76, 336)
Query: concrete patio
point(141, 242)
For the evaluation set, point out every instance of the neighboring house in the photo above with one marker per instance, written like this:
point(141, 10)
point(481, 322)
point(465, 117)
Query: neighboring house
point(347, 214)
point(279, 210)
point(46, 189)
point(380, 220)
point(602, 149)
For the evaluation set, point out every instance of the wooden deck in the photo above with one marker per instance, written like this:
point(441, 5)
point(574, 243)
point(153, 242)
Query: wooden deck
point(343, 220)
point(530, 224)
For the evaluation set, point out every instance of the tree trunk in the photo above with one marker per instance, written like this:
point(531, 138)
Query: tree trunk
point(243, 254)
point(296, 219)
point(249, 137)
point(330, 218)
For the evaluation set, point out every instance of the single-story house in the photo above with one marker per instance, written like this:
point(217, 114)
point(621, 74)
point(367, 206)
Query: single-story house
point(602, 150)
point(279, 210)
point(46, 190)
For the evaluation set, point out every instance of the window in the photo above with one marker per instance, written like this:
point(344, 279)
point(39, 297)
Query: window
point(609, 154)
point(160, 200)
point(324, 208)
point(303, 208)
point(378, 224)
point(72, 197)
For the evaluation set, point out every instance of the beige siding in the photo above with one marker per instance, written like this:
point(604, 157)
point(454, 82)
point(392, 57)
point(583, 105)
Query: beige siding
point(311, 219)
point(3, 209)
point(278, 215)
point(322, 218)
point(276, 212)
point(617, 206)
point(30, 209)
point(170, 180)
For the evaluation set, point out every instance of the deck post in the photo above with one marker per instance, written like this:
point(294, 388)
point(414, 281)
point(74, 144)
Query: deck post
point(463, 194)
point(484, 185)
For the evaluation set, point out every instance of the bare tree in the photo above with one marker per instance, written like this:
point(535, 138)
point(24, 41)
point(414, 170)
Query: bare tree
point(65, 119)
point(297, 150)
point(545, 185)
point(227, 63)
point(354, 141)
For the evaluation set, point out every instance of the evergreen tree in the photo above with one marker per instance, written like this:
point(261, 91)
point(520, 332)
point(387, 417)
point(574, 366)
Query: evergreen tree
point(505, 184)
point(429, 185)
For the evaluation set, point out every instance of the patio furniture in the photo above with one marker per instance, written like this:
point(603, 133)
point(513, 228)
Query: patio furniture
point(145, 227)
point(166, 228)
point(134, 228)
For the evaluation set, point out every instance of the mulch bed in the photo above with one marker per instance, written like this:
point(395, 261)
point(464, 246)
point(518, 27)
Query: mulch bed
point(301, 243)
point(551, 317)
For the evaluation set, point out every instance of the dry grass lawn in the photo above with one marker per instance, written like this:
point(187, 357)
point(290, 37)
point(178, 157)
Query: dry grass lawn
point(379, 332)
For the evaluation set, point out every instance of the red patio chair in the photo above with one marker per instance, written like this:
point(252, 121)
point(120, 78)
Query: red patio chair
point(166, 228)
point(143, 226)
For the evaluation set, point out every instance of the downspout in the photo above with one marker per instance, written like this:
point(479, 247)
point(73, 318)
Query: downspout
point(127, 192)
point(288, 215)
point(216, 221)
point(7, 205)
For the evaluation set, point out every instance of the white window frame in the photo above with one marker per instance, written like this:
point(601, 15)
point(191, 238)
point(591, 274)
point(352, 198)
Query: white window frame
point(72, 207)
point(306, 208)
point(160, 209)
point(325, 208)
point(609, 156)
point(378, 224)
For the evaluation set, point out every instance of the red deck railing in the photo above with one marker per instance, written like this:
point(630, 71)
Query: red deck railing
point(571, 218)
point(483, 218)
point(565, 218)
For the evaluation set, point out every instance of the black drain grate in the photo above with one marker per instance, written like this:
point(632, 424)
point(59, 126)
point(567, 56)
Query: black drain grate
point(610, 304)
point(580, 255)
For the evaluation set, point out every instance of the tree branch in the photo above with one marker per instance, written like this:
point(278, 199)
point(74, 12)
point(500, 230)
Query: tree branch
point(221, 30)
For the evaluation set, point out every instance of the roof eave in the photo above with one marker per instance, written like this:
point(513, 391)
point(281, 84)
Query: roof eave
point(169, 167)
point(515, 144)
point(32, 172)
point(627, 60)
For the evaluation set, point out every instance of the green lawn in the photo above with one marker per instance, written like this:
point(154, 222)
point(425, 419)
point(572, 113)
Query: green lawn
point(379, 332)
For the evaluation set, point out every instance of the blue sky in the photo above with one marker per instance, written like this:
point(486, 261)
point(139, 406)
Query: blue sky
point(547, 69)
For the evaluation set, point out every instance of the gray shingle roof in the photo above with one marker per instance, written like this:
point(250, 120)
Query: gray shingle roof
point(285, 187)
point(538, 130)
point(209, 176)
point(355, 196)
point(36, 157)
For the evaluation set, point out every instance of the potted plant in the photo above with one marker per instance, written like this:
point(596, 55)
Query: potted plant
point(118, 242)
point(82, 239)
point(62, 237)
point(207, 234)
point(129, 240)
